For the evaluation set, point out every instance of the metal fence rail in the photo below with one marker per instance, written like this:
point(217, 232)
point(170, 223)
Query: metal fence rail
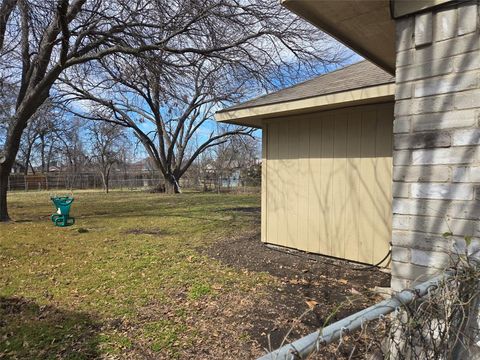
point(314, 342)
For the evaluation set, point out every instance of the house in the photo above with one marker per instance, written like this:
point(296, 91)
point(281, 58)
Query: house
point(231, 173)
point(141, 166)
point(224, 173)
point(17, 168)
point(328, 155)
point(361, 157)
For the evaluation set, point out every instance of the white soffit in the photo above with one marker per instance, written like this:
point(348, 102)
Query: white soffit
point(365, 26)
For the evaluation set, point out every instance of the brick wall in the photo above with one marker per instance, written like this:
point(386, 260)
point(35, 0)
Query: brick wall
point(436, 140)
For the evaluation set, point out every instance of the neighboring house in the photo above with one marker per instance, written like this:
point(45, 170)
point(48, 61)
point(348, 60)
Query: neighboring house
point(225, 173)
point(17, 168)
point(357, 158)
point(55, 166)
point(141, 166)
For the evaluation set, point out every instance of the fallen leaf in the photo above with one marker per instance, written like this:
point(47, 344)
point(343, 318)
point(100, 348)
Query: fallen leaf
point(311, 303)
point(354, 292)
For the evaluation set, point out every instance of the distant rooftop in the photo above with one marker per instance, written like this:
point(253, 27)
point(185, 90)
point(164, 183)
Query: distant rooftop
point(356, 76)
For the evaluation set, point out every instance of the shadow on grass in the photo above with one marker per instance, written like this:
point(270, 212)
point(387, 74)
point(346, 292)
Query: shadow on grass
point(31, 331)
point(249, 209)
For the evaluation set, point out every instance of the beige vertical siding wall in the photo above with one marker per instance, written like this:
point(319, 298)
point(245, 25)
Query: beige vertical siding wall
point(327, 182)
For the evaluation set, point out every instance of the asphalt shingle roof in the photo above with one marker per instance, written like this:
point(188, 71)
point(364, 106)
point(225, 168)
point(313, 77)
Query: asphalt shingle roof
point(359, 75)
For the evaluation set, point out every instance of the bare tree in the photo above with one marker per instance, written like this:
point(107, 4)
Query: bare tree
point(106, 144)
point(30, 136)
point(168, 99)
point(236, 159)
point(175, 123)
point(40, 39)
point(241, 151)
point(50, 128)
point(71, 147)
point(38, 140)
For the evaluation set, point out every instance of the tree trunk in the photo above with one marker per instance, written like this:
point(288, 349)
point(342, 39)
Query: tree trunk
point(17, 125)
point(31, 168)
point(49, 159)
point(42, 152)
point(27, 160)
point(4, 174)
point(105, 182)
point(11, 149)
point(171, 184)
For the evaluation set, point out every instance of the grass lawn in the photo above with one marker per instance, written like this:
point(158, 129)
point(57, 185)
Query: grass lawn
point(128, 280)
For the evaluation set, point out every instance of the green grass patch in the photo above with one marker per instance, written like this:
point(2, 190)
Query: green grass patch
point(163, 334)
point(129, 253)
point(199, 290)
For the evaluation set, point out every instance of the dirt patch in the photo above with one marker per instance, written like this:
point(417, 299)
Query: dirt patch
point(223, 321)
point(331, 289)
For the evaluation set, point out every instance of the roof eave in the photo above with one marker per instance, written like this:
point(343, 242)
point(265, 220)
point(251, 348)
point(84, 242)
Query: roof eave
point(254, 116)
point(371, 33)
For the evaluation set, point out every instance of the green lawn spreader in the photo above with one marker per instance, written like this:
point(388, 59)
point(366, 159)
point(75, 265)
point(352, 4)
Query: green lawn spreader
point(62, 216)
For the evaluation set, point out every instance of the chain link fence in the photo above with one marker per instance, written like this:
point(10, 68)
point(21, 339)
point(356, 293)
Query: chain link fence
point(68, 181)
point(211, 182)
point(437, 319)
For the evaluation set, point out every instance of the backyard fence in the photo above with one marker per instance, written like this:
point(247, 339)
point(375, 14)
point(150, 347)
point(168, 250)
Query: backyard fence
point(213, 182)
point(435, 320)
point(58, 181)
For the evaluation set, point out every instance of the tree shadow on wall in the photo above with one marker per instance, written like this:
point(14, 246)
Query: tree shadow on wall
point(32, 331)
point(434, 114)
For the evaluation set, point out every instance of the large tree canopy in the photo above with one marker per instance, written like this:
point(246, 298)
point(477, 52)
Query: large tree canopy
point(172, 119)
point(40, 40)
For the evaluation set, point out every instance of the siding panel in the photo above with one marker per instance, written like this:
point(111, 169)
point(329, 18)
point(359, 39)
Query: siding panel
point(383, 176)
point(328, 182)
point(292, 179)
point(283, 184)
point(303, 183)
point(327, 219)
point(367, 187)
point(273, 201)
point(314, 185)
point(353, 184)
point(339, 184)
